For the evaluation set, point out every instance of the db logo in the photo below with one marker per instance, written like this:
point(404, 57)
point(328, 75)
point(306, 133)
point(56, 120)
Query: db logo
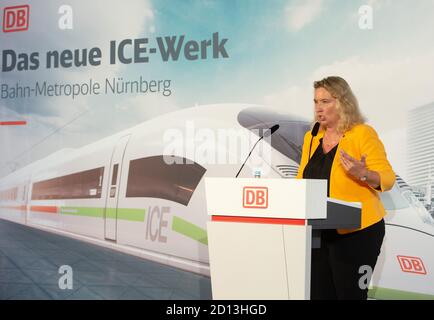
point(255, 197)
point(16, 18)
point(411, 264)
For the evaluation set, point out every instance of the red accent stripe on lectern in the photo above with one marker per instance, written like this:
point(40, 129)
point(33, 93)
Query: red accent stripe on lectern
point(298, 222)
point(12, 123)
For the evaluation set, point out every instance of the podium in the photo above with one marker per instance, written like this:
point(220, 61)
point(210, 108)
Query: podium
point(261, 234)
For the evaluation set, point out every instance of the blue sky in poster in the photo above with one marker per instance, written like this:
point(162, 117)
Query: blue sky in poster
point(269, 52)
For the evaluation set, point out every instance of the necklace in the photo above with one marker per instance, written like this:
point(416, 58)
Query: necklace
point(328, 142)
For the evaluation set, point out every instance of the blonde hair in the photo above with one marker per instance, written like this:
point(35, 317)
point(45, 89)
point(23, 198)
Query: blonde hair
point(347, 105)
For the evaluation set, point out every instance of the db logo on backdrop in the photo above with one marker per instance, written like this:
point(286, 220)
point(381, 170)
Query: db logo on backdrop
point(255, 197)
point(411, 264)
point(16, 18)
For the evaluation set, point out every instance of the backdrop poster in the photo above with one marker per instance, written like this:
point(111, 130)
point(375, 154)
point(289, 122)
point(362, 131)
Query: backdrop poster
point(94, 94)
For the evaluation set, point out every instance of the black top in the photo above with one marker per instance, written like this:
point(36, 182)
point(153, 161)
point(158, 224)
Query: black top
point(320, 165)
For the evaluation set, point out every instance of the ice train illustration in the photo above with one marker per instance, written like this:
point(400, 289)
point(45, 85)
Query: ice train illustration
point(122, 193)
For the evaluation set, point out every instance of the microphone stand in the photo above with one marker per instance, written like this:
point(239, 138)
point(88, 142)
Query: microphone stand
point(271, 130)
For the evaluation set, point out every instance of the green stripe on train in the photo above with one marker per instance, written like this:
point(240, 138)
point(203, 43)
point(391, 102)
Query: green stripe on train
point(82, 211)
point(392, 294)
point(189, 230)
point(129, 214)
point(122, 214)
point(179, 225)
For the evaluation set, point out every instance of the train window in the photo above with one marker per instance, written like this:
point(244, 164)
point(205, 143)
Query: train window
point(153, 177)
point(394, 199)
point(81, 185)
point(9, 194)
point(115, 174)
point(288, 139)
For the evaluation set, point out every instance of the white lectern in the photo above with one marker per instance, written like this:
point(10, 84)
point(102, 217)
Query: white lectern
point(260, 234)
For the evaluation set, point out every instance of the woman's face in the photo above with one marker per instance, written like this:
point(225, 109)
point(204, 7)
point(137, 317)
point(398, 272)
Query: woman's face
point(325, 108)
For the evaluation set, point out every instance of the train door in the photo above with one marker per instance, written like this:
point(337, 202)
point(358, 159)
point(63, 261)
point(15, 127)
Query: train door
point(112, 197)
point(26, 196)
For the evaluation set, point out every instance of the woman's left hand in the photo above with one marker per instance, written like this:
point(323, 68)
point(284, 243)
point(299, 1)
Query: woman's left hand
point(356, 168)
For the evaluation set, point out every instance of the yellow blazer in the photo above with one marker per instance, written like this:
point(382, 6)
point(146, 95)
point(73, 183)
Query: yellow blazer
point(359, 140)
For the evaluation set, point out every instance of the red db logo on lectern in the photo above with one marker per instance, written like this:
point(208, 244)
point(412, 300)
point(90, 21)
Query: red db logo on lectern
point(16, 18)
point(255, 197)
point(411, 264)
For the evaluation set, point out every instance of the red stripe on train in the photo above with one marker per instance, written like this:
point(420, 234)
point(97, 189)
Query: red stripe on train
point(12, 123)
point(22, 208)
point(47, 209)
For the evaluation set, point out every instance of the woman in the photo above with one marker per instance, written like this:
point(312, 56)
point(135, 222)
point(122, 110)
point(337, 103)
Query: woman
point(349, 154)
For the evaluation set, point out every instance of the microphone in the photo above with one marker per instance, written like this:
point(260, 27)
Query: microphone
point(314, 132)
point(268, 133)
point(272, 130)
